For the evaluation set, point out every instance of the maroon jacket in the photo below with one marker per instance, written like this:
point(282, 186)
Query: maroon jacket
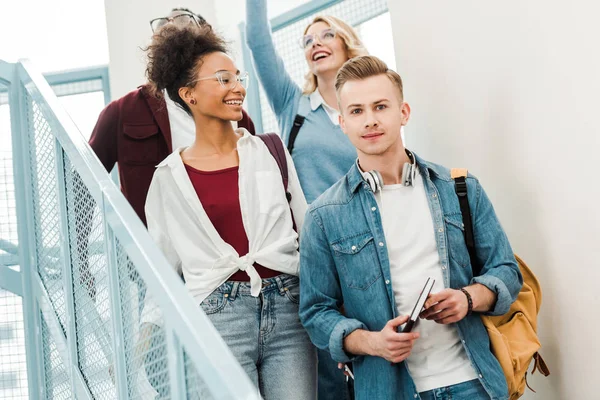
point(135, 132)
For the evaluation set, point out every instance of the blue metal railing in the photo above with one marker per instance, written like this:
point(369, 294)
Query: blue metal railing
point(88, 268)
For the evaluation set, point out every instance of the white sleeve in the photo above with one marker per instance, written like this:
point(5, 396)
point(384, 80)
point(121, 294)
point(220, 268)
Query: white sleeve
point(298, 203)
point(157, 223)
point(157, 228)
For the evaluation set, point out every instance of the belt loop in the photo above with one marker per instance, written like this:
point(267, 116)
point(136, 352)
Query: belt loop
point(280, 285)
point(234, 291)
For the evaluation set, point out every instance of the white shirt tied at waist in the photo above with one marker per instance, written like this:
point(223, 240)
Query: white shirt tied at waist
point(181, 228)
point(246, 264)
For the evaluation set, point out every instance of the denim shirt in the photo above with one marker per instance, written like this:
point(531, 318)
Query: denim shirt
point(344, 260)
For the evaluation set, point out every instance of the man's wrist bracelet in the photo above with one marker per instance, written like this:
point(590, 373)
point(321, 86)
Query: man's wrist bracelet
point(469, 300)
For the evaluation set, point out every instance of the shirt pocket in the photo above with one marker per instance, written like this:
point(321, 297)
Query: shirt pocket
point(357, 259)
point(457, 247)
point(140, 145)
point(271, 196)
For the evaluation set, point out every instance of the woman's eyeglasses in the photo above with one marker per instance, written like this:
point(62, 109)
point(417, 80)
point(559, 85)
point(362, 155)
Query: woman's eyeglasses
point(228, 80)
point(180, 20)
point(325, 36)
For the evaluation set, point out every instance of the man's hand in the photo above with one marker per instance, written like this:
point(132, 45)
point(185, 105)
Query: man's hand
point(451, 305)
point(391, 345)
point(446, 307)
point(387, 343)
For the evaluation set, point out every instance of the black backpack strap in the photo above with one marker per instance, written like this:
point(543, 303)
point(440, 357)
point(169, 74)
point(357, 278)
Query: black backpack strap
point(298, 122)
point(460, 185)
point(303, 110)
point(275, 146)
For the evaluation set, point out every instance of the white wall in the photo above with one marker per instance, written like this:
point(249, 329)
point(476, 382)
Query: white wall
point(511, 90)
point(128, 26)
point(129, 30)
point(55, 35)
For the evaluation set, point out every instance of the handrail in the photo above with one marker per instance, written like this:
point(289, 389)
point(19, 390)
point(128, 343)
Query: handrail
point(194, 332)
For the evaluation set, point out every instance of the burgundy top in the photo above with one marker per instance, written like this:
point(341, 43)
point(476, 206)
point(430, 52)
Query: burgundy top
point(135, 132)
point(219, 194)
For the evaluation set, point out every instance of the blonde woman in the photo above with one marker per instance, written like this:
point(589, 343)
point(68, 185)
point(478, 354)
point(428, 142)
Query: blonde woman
point(308, 119)
point(321, 152)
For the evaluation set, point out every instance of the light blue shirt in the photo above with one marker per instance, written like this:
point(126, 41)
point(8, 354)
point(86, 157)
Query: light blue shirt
point(322, 152)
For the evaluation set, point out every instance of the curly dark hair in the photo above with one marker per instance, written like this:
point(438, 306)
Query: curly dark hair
point(174, 55)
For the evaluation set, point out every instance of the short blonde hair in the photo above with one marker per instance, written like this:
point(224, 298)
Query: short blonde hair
point(363, 67)
point(354, 46)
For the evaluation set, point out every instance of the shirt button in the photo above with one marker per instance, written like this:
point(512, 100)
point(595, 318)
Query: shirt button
point(441, 230)
point(353, 248)
point(480, 376)
point(443, 267)
point(374, 209)
point(387, 281)
point(434, 195)
point(380, 244)
point(464, 342)
point(416, 395)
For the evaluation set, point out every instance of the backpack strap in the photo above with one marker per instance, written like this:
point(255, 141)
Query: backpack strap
point(460, 184)
point(540, 365)
point(303, 110)
point(275, 146)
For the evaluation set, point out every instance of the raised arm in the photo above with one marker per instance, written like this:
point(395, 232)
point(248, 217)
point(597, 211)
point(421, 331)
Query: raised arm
point(279, 87)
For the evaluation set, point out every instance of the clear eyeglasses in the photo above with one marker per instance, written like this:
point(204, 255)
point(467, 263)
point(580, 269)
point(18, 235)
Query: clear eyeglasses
point(228, 80)
point(324, 36)
point(181, 20)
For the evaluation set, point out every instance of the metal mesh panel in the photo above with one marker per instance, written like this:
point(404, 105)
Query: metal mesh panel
point(13, 364)
point(195, 386)
point(13, 367)
point(3, 96)
point(8, 213)
point(71, 88)
point(286, 39)
point(146, 353)
point(57, 382)
point(90, 285)
point(46, 210)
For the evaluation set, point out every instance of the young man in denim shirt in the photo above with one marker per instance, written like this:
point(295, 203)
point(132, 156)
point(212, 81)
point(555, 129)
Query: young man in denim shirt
point(371, 247)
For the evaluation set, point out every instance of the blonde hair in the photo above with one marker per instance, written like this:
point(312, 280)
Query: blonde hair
point(363, 67)
point(354, 46)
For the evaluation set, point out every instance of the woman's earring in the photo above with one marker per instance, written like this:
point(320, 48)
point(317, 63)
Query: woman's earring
point(193, 101)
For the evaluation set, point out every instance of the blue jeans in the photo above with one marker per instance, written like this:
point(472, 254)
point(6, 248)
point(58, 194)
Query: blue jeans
point(332, 381)
point(471, 390)
point(265, 335)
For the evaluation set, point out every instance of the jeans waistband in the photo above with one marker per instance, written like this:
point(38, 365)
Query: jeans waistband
point(279, 283)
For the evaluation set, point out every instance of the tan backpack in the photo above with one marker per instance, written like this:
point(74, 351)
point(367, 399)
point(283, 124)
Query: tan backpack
point(513, 336)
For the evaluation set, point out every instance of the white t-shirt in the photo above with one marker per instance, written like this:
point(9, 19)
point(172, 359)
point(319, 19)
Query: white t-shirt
point(438, 358)
point(183, 129)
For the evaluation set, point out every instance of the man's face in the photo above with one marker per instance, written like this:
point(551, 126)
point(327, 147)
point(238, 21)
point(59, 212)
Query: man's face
point(372, 114)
